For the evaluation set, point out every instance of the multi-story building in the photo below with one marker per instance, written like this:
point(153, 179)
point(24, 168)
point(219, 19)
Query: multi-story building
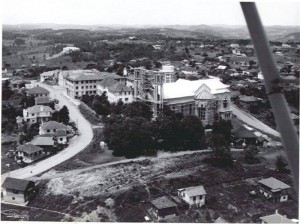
point(37, 114)
point(84, 82)
point(115, 90)
point(205, 98)
point(38, 92)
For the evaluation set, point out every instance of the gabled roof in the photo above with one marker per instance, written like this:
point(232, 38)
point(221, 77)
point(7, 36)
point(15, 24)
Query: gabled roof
point(274, 184)
point(194, 191)
point(53, 125)
point(187, 88)
point(16, 184)
point(248, 99)
point(43, 141)
point(220, 220)
point(42, 100)
point(38, 109)
point(29, 148)
point(276, 218)
point(37, 90)
point(163, 202)
point(119, 87)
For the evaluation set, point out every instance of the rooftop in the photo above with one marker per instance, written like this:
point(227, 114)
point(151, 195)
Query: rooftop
point(87, 75)
point(186, 88)
point(163, 202)
point(108, 81)
point(29, 148)
point(53, 125)
point(274, 184)
point(43, 141)
point(38, 109)
point(276, 218)
point(16, 184)
point(37, 90)
point(119, 87)
point(42, 100)
point(194, 191)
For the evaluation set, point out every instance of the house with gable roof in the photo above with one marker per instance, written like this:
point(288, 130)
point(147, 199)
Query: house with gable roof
point(194, 196)
point(17, 191)
point(29, 153)
point(37, 114)
point(163, 208)
point(58, 130)
point(274, 189)
point(275, 218)
point(38, 92)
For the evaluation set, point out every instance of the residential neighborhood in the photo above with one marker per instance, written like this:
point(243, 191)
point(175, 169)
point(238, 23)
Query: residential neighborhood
point(153, 123)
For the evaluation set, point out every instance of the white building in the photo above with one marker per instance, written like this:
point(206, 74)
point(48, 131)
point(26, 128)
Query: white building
point(120, 91)
point(58, 130)
point(67, 50)
point(37, 114)
point(204, 98)
point(194, 196)
point(49, 75)
point(84, 82)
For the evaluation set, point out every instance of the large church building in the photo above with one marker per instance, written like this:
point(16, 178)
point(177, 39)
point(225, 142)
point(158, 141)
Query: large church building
point(206, 98)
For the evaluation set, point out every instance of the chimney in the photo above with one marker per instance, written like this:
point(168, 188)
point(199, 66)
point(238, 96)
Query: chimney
point(42, 108)
point(276, 211)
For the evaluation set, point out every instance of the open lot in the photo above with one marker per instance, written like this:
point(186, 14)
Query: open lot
point(121, 192)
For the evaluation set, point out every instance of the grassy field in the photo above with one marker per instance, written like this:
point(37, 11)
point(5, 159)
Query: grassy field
point(122, 192)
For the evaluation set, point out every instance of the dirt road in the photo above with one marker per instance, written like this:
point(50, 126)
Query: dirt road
point(253, 122)
point(76, 144)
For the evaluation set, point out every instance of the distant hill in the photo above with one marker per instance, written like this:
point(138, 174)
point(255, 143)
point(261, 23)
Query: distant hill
point(295, 37)
point(279, 33)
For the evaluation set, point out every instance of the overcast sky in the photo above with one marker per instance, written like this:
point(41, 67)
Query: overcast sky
point(140, 12)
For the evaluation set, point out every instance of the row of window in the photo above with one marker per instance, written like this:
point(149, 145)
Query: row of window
point(91, 87)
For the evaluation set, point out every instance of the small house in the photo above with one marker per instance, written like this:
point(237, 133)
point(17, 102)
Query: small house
point(274, 189)
point(37, 114)
point(275, 218)
point(194, 196)
point(29, 153)
point(17, 191)
point(163, 208)
point(46, 142)
point(58, 130)
point(38, 91)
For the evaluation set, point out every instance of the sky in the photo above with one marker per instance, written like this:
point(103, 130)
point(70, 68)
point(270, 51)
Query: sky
point(146, 12)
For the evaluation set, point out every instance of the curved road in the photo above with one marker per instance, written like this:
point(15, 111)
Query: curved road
point(76, 144)
point(253, 122)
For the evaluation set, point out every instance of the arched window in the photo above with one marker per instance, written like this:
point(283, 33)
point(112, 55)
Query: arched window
point(202, 111)
point(225, 103)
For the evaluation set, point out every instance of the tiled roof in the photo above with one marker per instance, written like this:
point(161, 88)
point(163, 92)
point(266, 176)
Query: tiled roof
point(15, 184)
point(108, 81)
point(37, 90)
point(60, 133)
point(29, 148)
point(163, 202)
point(119, 87)
point(87, 75)
point(276, 218)
point(248, 99)
point(42, 100)
point(38, 109)
point(274, 184)
point(194, 191)
point(53, 125)
point(43, 141)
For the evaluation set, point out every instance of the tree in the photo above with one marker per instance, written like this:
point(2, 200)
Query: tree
point(222, 127)
point(64, 115)
point(132, 138)
point(281, 164)
point(19, 41)
point(138, 109)
point(250, 154)
point(220, 150)
point(192, 133)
